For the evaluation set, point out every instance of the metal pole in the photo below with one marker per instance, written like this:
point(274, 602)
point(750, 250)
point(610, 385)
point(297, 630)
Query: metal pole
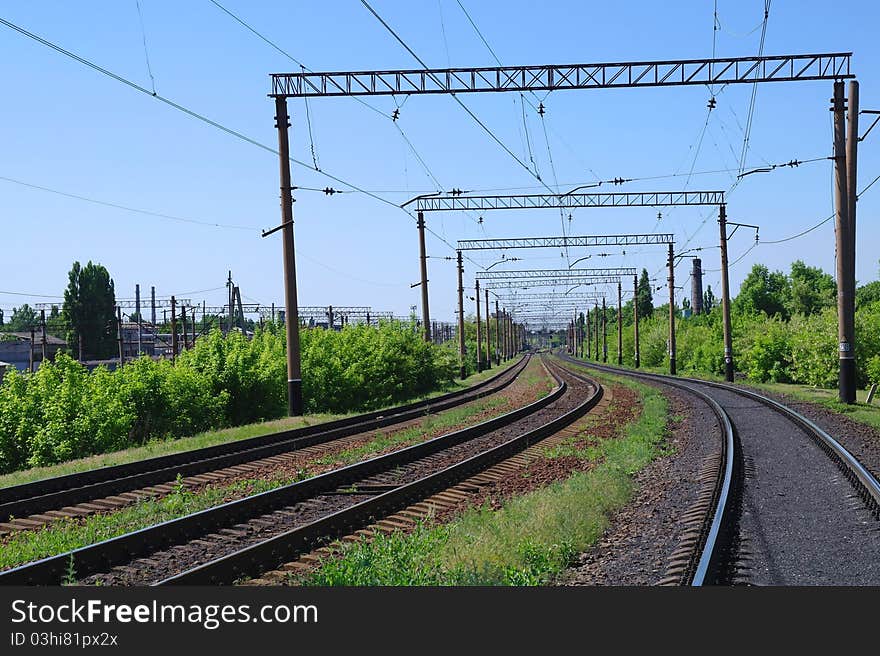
point(636, 320)
point(497, 334)
point(31, 359)
point(153, 306)
point(604, 332)
point(330, 317)
point(671, 283)
point(173, 328)
point(588, 336)
point(619, 324)
point(596, 317)
point(725, 296)
point(844, 157)
point(461, 367)
point(183, 322)
point(294, 375)
point(488, 332)
point(479, 335)
point(229, 319)
point(423, 266)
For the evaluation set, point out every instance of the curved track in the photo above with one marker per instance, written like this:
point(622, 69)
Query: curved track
point(112, 487)
point(800, 510)
point(244, 537)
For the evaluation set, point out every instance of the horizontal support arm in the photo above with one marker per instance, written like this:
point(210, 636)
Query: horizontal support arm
point(679, 72)
point(571, 201)
point(562, 242)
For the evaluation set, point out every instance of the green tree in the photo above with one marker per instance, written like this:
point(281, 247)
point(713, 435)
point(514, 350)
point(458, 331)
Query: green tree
point(709, 300)
point(23, 318)
point(89, 302)
point(811, 289)
point(645, 299)
point(764, 291)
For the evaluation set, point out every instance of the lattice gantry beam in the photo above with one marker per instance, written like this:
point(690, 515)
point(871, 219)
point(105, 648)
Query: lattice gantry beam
point(570, 201)
point(678, 72)
point(562, 242)
point(549, 282)
point(556, 273)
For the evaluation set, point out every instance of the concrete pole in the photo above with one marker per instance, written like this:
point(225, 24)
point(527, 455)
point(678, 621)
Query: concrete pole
point(479, 330)
point(604, 332)
point(843, 238)
point(153, 307)
point(137, 304)
point(671, 284)
point(120, 336)
point(173, 328)
point(619, 324)
point(461, 367)
point(846, 299)
point(423, 265)
point(488, 332)
point(294, 374)
point(725, 296)
point(497, 334)
point(43, 339)
point(596, 317)
point(636, 320)
point(585, 352)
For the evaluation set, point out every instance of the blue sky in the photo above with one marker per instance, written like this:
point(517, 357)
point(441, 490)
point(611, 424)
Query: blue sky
point(68, 128)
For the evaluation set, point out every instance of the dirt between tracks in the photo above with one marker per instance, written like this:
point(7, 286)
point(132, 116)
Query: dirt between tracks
point(641, 536)
point(545, 470)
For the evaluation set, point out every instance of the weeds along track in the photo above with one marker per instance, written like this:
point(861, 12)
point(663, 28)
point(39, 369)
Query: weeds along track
point(245, 537)
point(783, 503)
point(32, 505)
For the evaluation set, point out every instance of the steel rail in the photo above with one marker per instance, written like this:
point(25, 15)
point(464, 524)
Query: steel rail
point(257, 558)
point(124, 548)
point(717, 526)
point(52, 493)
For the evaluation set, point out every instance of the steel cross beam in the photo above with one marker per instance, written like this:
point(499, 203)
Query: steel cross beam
point(570, 201)
point(562, 242)
point(557, 273)
point(674, 72)
point(525, 283)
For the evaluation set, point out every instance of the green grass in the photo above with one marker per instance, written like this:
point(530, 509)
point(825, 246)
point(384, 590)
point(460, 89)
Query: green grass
point(69, 534)
point(531, 539)
point(202, 440)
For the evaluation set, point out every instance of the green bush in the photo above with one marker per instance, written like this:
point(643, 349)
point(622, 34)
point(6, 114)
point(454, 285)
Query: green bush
point(62, 411)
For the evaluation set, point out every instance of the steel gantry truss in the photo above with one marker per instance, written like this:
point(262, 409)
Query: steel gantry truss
point(562, 274)
point(678, 72)
point(570, 201)
point(562, 242)
point(722, 71)
point(549, 282)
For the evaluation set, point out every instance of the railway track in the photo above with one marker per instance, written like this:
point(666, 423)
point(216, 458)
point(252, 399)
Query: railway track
point(783, 503)
point(31, 505)
point(245, 537)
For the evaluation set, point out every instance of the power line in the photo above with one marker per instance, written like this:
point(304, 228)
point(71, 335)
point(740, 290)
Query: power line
point(146, 52)
point(125, 207)
point(748, 131)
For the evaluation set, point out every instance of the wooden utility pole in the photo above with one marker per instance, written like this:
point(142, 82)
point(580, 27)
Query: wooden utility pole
point(461, 368)
point(423, 267)
point(488, 332)
point(845, 179)
point(725, 297)
point(479, 329)
point(294, 374)
point(619, 324)
point(604, 332)
point(120, 335)
point(636, 320)
point(671, 283)
point(173, 328)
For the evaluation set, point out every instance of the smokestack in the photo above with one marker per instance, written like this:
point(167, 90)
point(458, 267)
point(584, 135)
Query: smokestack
point(697, 286)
